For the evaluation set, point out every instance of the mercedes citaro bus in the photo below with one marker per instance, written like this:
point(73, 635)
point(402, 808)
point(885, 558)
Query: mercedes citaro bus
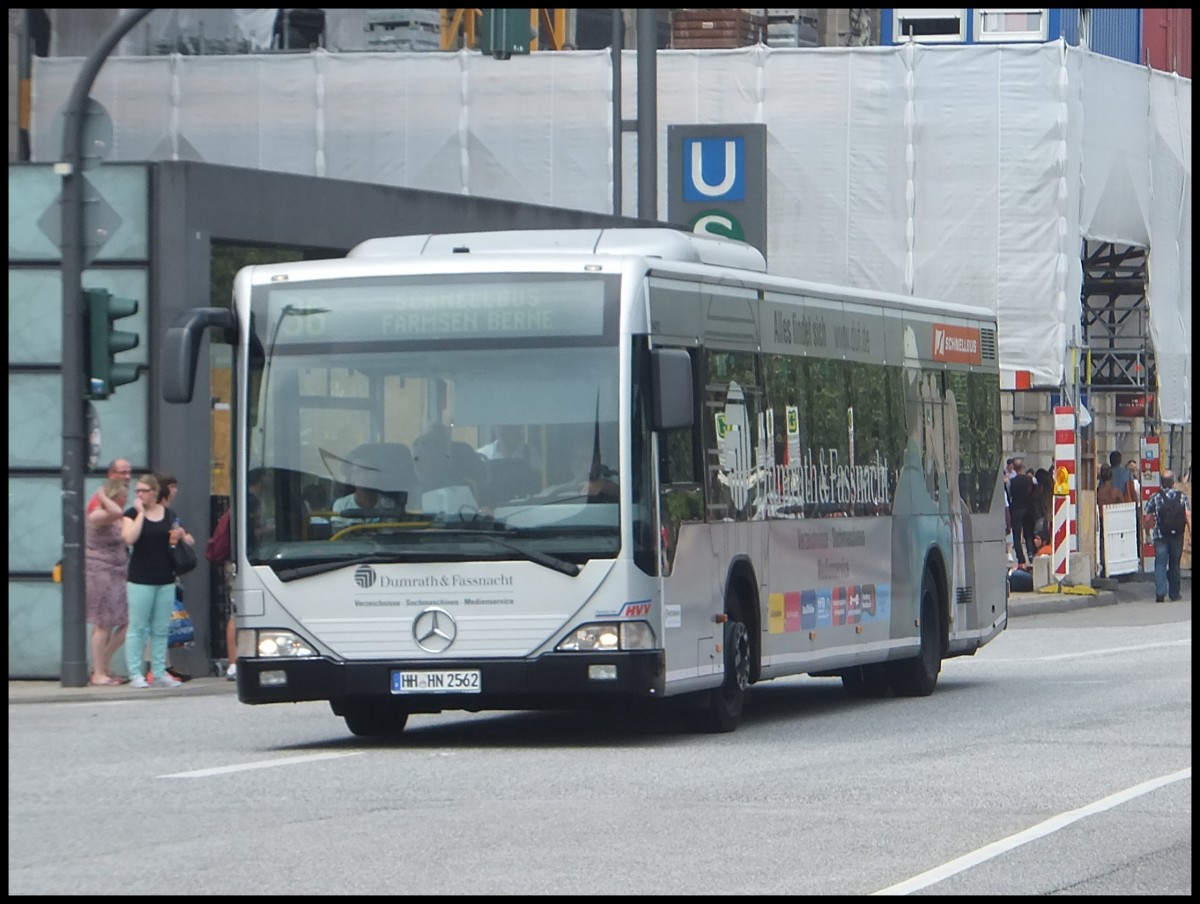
point(545, 469)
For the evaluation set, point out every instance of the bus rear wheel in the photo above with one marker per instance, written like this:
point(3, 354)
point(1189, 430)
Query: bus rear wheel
point(866, 681)
point(917, 677)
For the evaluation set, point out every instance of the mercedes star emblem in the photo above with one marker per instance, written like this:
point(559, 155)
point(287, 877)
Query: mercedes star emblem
point(434, 630)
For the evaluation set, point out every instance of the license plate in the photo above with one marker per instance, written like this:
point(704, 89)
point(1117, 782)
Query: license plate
point(449, 681)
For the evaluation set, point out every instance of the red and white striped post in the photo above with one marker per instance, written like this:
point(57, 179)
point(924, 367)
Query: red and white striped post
point(1151, 472)
point(1065, 538)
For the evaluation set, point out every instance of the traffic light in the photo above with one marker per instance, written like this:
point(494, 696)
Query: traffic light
point(504, 32)
point(104, 374)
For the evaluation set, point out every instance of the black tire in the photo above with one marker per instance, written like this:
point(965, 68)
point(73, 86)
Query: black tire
point(724, 707)
point(366, 721)
point(866, 681)
point(917, 677)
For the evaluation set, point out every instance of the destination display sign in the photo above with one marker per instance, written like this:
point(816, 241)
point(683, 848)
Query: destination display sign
point(442, 309)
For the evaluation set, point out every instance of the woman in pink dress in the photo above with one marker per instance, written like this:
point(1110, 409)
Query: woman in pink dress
point(107, 570)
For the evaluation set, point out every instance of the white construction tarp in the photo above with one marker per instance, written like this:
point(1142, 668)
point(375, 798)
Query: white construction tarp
point(965, 173)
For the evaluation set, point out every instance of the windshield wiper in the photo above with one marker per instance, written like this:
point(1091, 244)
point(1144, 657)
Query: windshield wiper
point(307, 571)
point(532, 555)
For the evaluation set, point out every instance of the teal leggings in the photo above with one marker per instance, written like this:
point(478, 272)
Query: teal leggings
point(150, 608)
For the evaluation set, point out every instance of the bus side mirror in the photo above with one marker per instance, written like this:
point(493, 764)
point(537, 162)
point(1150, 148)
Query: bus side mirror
point(671, 374)
point(181, 349)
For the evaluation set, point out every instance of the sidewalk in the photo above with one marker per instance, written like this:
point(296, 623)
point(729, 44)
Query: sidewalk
point(52, 691)
point(1135, 589)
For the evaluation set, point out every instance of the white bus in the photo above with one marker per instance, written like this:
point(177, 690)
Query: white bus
point(546, 469)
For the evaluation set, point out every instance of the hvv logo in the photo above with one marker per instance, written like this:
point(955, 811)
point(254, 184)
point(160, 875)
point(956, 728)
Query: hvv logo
point(714, 169)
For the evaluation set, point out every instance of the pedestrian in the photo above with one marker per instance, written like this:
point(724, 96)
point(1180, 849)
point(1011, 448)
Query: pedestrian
point(219, 551)
point(168, 489)
point(1122, 477)
point(1008, 537)
point(1022, 511)
point(1043, 495)
point(149, 527)
point(1169, 515)
point(1184, 484)
point(106, 570)
point(118, 469)
point(1106, 495)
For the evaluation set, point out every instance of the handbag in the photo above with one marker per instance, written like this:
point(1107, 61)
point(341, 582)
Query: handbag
point(183, 558)
point(181, 631)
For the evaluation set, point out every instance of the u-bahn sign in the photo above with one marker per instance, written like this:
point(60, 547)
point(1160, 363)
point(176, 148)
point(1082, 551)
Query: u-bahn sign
point(718, 180)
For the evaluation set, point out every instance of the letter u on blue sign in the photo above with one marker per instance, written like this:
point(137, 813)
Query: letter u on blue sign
point(714, 169)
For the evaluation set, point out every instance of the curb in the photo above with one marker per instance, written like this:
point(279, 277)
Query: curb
point(52, 691)
point(1020, 604)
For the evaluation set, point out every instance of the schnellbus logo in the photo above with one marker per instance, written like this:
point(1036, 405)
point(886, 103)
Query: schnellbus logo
point(958, 344)
point(364, 576)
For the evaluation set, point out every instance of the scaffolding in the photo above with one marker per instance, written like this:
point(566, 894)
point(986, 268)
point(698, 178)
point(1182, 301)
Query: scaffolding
point(1116, 322)
point(461, 29)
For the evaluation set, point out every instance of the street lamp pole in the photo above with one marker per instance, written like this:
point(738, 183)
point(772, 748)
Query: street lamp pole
point(647, 113)
point(74, 422)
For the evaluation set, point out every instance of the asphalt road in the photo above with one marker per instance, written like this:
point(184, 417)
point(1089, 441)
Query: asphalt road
point(1055, 761)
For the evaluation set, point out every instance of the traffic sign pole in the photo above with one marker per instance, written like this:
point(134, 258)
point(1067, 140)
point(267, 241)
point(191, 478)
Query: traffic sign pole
point(74, 427)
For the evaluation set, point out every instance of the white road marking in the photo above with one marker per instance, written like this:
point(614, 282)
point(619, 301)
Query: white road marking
point(1086, 653)
point(261, 764)
point(1053, 824)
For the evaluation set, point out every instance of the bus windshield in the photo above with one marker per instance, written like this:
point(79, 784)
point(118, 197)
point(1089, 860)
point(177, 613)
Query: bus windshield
point(414, 419)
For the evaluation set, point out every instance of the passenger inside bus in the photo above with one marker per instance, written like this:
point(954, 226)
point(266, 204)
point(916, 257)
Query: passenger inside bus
point(509, 445)
point(513, 466)
point(449, 474)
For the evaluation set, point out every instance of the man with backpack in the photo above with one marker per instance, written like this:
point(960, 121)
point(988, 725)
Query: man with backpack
point(1169, 514)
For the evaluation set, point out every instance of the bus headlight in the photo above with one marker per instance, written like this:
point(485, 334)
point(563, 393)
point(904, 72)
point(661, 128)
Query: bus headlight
point(275, 644)
point(637, 635)
point(604, 637)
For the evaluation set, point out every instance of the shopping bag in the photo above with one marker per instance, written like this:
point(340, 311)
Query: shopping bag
point(181, 631)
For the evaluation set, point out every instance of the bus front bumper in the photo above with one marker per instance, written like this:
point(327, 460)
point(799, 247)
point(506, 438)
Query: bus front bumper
point(554, 679)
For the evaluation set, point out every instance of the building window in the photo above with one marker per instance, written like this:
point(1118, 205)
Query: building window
point(929, 26)
point(1010, 24)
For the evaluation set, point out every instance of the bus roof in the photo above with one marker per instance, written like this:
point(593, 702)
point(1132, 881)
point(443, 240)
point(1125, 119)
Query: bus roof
point(665, 252)
point(667, 244)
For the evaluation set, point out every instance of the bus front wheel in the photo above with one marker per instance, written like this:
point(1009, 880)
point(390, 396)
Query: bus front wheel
point(371, 721)
point(725, 703)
